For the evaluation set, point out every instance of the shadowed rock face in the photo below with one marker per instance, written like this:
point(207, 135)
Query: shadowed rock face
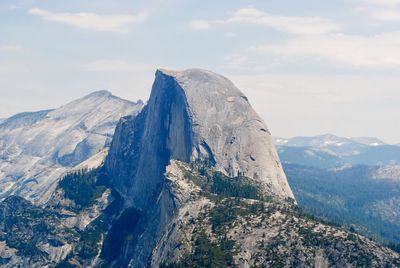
point(143, 145)
point(191, 115)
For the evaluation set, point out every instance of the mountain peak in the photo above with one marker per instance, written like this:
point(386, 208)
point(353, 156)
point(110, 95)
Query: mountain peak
point(99, 94)
point(371, 141)
point(105, 94)
point(329, 135)
point(56, 140)
point(196, 115)
point(102, 92)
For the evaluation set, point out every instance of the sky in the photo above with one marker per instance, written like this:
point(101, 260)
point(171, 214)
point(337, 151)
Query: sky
point(308, 67)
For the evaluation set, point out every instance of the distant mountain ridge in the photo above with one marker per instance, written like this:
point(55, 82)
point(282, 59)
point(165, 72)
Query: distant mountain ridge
point(37, 147)
point(327, 140)
point(332, 151)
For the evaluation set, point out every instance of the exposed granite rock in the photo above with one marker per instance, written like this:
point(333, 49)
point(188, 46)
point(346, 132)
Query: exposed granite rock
point(191, 115)
point(37, 148)
point(31, 236)
point(226, 130)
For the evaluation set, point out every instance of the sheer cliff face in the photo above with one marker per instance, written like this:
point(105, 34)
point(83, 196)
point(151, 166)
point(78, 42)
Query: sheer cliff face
point(142, 146)
point(192, 115)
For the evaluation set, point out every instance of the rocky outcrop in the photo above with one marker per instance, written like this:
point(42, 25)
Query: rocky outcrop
point(69, 228)
point(212, 226)
point(31, 236)
point(391, 172)
point(219, 220)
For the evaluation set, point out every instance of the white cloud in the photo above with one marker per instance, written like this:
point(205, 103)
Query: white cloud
point(289, 24)
point(10, 48)
point(110, 65)
point(382, 10)
point(236, 61)
point(386, 15)
point(385, 3)
point(230, 35)
point(199, 25)
point(91, 21)
point(376, 51)
point(245, 62)
point(13, 68)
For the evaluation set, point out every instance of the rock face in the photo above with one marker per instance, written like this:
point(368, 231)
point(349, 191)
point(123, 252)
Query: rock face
point(193, 115)
point(37, 148)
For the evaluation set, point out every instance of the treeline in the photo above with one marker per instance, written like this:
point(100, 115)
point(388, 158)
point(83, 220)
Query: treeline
point(83, 186)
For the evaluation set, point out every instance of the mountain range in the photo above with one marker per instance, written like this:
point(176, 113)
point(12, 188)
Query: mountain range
point(328, 140)
point(191, 179)
point(333, 151)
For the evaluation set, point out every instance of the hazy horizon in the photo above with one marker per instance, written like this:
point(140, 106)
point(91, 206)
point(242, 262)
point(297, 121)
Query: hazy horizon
point(307, 67)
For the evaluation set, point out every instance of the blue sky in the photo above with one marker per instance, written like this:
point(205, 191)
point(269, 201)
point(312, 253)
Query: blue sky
point(308, 67)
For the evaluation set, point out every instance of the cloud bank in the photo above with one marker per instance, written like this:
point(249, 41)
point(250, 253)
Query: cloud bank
point(376, 51)
point(91, 21)
point(288, 24)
